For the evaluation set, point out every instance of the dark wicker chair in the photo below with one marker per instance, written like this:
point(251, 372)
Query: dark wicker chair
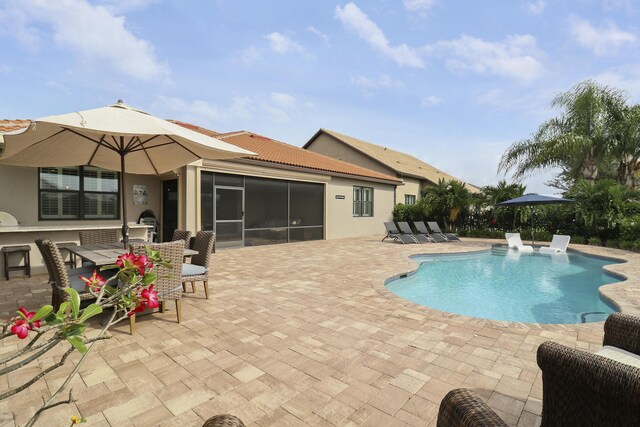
point(578, 388)
point(98, 237)
point(224, 421)
point(59, 278)
point(169, 283)
point(182, 235)
point(198, 270)
point(463, 408)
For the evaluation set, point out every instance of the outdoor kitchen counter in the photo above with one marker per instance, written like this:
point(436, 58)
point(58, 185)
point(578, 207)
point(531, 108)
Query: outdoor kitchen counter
point(11, 235)
point(39, 228)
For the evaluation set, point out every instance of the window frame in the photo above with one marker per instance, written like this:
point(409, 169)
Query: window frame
point(361, 203)
point(81, 194)
point(409, 202)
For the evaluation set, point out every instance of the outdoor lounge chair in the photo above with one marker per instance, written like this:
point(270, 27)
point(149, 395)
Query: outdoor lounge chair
point(392, 231)
point(559, 243)
point(435, 228)
point(579, 388)
point(514, 241)
point(420, 238)
point(422, 229)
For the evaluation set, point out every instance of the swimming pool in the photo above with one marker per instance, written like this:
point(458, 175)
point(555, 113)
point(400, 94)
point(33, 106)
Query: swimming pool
point(504, 284)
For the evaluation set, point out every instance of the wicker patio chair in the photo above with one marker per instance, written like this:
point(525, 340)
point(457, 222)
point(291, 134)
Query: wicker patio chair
point(182, 235)
point(98, 237)
point(623, 331)
point(463, 408)
point(225, 420)
point(169, 283)
point(59, 277)
point(198, 270)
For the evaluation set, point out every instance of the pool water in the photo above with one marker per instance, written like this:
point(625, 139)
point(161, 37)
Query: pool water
point(504, 284)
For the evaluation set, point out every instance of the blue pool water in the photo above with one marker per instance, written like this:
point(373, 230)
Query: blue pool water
point(509, 285)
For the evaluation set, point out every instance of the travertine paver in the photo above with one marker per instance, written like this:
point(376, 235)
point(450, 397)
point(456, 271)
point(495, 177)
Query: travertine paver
point(306, 334)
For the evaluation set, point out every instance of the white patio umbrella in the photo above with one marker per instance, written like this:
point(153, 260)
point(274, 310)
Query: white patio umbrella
point(105, 137)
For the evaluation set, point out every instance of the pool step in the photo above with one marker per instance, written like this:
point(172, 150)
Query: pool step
point(583, 316)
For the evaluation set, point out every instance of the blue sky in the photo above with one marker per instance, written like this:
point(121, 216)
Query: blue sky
point(451, 82)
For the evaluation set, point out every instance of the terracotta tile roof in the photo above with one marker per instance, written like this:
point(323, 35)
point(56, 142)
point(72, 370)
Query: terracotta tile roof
point(272, 151)
point(402, 163)
point(9, 125)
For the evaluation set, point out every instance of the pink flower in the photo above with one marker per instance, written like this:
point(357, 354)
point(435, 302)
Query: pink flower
point(21, 327)
point(126, 260)
point(95, 282)
point(142, 262)
point(151, 297)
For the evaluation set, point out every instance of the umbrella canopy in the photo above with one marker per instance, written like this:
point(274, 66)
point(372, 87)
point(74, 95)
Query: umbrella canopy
point(533, 199)
point(104, 137)
point(100, 137)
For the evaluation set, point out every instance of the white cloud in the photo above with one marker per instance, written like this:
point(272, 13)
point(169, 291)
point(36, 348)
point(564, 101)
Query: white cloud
point(380, 82)
point(516, 57)
point(283, 100)
point(92, 33)
point(314, 30)
point(422, 6)
point(357, 21)
point(536, 7)
point(251, 54)
point(602, 41)
point(430, 101)
point(282, 44)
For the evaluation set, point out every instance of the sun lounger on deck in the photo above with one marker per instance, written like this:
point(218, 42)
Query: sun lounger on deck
point(435, 228)
point(392, 231)
point(422, 229)
point(406, 230)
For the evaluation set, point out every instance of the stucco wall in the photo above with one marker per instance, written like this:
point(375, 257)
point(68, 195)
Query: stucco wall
point(19, 197)
point(340, 221)
point(327, 145)
point(411, 186)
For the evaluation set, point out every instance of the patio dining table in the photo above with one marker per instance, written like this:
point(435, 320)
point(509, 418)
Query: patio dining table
point(106, 254)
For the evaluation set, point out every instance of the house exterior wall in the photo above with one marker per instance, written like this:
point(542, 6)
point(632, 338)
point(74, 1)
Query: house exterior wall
point(412, 186)
point(340, 221)
point(329, 146)
point(19, 197)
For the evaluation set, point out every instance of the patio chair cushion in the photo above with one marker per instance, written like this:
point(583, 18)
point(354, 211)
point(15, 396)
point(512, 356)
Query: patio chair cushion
point(193, 270)
point(619, 355)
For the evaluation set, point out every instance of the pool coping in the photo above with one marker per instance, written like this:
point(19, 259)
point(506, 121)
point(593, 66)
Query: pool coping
point(623, 295)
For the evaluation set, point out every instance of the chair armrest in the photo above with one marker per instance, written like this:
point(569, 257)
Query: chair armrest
point(463, 408)
point(623, 331)
point(581, 388)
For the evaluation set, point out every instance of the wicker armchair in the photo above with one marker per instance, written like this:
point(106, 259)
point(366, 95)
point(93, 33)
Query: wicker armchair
point(463, 408)
point(224, 421)
point(59, 276)
point(182, 235)
point(98, 237)
point(169, 283)
point(198, 270)
point(579, 388)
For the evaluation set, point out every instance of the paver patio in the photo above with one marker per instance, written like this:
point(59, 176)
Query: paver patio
point(305, 334)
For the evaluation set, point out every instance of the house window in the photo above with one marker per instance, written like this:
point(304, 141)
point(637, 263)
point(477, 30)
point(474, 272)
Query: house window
point(409, 199)
point(362, 201)
point(83, 192)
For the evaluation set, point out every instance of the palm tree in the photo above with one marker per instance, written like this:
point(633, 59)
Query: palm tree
point(578, 141)
point(627, 146)
point(503, 191)
point(446, 200)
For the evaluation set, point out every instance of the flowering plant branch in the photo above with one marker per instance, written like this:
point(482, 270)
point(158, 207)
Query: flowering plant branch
point(130, 290)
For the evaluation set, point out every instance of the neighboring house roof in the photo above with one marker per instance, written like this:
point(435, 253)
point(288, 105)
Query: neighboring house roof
point(272, 151)
point(403, 164)
point(9, 125)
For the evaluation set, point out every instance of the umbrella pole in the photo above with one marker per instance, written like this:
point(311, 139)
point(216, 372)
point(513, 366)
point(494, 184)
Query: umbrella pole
point(125, 227)
point(533, 210)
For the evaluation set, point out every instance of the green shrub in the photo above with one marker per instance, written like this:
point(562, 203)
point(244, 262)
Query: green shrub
point(630, 228)
point(578, 240)
point(594, 241)
point(612, 243)
point(627, 244)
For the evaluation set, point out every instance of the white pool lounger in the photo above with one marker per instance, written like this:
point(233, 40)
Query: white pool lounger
point(514, 241)
point(558, 244)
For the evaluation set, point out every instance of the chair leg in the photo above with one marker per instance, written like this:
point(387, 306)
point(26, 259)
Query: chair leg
point(184, 286)
point(193, 287)
point(163, 306)
point(206, 288)
point(179, 309)
point(132, 323)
